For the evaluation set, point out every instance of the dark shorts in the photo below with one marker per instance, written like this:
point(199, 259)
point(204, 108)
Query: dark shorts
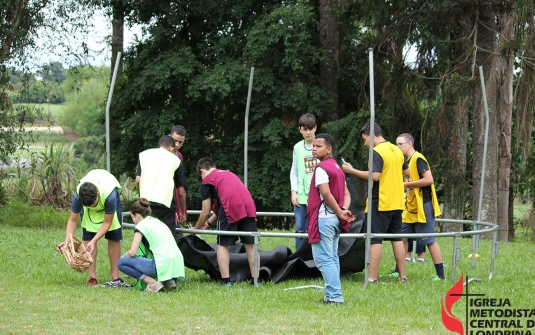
point(112, 235)
point(245, 224)
point(384, 222)
point(423, 228)
point(164, 214)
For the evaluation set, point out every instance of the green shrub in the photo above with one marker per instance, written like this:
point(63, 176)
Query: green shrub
point(22, 214)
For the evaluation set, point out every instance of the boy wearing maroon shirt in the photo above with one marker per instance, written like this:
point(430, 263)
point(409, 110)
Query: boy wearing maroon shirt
point(327, 216)
point(234, 210)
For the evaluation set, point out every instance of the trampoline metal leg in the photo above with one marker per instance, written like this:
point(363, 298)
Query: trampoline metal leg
point(256, 265)
point(455, 257)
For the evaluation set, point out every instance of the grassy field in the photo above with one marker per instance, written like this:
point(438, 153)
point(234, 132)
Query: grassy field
point(40, 294)
point(55, 110)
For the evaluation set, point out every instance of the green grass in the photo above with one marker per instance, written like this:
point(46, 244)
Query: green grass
point(40, 294)
point(55, 110)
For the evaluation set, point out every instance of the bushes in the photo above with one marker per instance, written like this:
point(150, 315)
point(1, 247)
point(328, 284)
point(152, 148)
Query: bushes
point(22, 214)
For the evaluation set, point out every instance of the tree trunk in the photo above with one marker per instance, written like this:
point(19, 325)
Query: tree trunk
point(328, 67)
point(117, 38)
point(508, 23)
point(486, 47)
point(458, 93)
point(510, 214)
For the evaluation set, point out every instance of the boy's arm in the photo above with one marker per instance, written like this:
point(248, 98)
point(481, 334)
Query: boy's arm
point(347, 197)
point(294, 181)
point(325, 192)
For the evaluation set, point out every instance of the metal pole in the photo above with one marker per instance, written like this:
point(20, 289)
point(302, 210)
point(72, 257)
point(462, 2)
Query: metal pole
point(370, 169)
point(112, 85)
point(256, 256)
point(454, 258)
point(475, 240)
point(246, 137)
point(493, 254)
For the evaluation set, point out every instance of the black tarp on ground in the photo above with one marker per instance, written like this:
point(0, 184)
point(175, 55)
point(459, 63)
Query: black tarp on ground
point(280, 263)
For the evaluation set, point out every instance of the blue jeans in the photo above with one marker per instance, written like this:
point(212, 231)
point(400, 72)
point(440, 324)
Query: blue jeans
point(301, 225)
point(137, 267)
point(325, 254)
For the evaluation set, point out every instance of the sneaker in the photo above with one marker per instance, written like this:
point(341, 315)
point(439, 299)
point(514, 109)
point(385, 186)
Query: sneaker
point(328, 302)
point(371, 281)
point(437, 278)
point(116, 283)
point(154, 287)
point(169, 285)
point(403, 280)
point(225, 283)
point(393, 274)
point(92, 281)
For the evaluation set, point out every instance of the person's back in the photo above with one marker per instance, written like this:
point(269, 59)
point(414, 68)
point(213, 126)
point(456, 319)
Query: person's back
point(389, 188)
point(158, 176)
point(169, 260)
point(233, 195)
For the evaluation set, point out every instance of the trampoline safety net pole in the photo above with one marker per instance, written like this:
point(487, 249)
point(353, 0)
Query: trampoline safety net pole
point(246, 133)
point(110, 94)
point(475, 240)
point(370, 169)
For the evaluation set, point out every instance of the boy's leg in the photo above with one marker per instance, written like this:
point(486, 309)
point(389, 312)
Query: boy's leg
point(326, 260)
point(249, 250)
point(399, 254)
point(223, 260)
point(300, 214)
point(376, 251)
point(86, 237)
point(114, 253)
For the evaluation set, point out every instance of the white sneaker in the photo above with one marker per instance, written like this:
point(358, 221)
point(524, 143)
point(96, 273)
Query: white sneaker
point(154, 287)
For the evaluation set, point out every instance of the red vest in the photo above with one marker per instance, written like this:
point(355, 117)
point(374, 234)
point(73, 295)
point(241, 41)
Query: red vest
point(234, 196)
point(337, 186)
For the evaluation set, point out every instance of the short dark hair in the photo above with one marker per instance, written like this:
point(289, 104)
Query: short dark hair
point(166, 141)
point(329, 140)
point(366, 130)
point(408, 137)
point(179, 130)
point(307, 120)
point(88, 193)
point(204, 163)
point(141, 206)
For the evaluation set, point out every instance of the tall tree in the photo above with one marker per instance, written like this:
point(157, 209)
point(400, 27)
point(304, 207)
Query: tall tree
point(486, 48)
point(508, 22)
point(328, 67)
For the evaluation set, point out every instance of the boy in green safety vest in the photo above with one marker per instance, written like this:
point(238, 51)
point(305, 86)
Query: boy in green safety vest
point(303, 165)
point(97, 200)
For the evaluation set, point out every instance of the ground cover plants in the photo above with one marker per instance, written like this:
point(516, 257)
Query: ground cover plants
point(40, 294)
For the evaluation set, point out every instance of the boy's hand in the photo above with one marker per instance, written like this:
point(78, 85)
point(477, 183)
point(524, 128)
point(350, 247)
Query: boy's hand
point(295, 200)
point(347, 167)
point(346, 215)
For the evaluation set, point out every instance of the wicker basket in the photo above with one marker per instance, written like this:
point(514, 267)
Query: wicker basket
point(76, 255)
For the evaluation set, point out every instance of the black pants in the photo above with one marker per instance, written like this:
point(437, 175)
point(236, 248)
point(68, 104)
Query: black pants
point(164, 214)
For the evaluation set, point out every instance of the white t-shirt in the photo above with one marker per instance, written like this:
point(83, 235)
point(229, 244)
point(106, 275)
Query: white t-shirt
point(321, 178)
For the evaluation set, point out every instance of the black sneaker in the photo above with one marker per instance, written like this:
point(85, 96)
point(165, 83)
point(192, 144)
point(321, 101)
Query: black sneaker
point(116, 283)
point(327, 302)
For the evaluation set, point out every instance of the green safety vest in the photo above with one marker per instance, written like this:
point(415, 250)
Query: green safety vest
point(158, 167)
point(162, 248)
point(94, 216)
point(305, 169)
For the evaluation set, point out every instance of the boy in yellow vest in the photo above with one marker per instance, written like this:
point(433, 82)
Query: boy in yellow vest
point(97, 200)
point(303, 165)
point(158, 175)
point(421, 219)
point(387, 203)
